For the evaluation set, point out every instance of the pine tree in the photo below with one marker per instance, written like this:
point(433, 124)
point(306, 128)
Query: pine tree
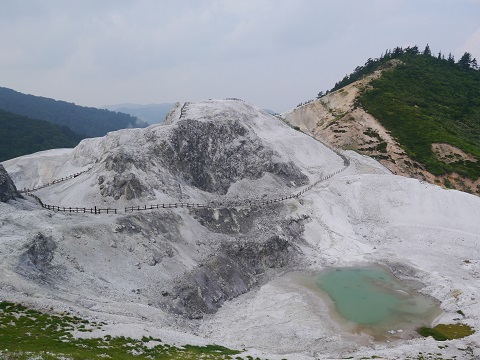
point(467, 62)
point(451, 59)
point(397, 52)
point(427, 51)
point(474, 64)
point(412, 50)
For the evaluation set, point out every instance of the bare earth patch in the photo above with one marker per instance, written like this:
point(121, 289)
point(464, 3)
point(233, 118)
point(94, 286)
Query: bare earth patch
point(449, 153)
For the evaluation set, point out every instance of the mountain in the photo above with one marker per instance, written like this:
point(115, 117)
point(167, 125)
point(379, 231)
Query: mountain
point(88, 121)
point(208, 228)
point(151, 113)
point(21, 135)
point(417, 114)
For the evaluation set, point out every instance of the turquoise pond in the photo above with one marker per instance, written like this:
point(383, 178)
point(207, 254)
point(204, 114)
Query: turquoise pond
point(375, 301)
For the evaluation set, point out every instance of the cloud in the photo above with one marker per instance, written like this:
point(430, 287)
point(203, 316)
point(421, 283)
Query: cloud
point(274, 53)
point(471, 45)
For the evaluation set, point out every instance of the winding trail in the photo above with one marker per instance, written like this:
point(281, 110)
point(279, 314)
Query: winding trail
point(248, 202)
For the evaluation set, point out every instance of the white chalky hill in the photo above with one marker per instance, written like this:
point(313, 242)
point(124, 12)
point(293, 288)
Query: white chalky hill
point(213, 209)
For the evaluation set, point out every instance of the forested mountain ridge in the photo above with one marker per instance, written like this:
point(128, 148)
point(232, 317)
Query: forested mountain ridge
point(89, 121)
point(416, 113)
point(21, 135)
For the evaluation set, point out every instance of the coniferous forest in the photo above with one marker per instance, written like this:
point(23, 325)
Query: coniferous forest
point(21, 135)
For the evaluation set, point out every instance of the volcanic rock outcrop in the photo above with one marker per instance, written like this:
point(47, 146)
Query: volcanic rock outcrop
point(8, 191)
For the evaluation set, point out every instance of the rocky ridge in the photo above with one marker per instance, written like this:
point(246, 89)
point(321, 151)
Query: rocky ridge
point(337, 120)
point(8, 191)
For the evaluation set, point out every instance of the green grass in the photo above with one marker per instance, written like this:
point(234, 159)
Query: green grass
point(27, 333)
point(443, 332)
point(424, 101)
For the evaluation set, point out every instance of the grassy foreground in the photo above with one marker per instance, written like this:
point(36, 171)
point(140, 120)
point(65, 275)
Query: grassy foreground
point(30, 334)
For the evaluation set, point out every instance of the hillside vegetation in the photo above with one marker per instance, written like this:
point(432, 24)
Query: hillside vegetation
point(416, 113)
point(21, 135)
point(89, 121)
point(425, 100)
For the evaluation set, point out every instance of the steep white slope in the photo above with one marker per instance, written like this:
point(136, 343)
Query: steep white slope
point(230, 139)
point(220, 272)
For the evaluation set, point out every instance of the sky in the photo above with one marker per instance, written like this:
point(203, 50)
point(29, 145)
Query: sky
point(271, 53)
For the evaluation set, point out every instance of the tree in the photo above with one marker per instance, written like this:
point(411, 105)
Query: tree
point(467, 62)
point(474, 64)
point(397, 52)
point(320, 95)
point(451, 59)
point(412, 50)
point(427, 51)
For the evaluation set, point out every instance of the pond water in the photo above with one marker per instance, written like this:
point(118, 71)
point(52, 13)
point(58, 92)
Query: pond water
point(372, 300)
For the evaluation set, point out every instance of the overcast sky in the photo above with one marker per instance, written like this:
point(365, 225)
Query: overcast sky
point(272, 53)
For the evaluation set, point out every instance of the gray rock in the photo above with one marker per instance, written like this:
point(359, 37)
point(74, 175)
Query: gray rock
point(230, 273)
point(211, 156)
point(255, 249)
point(126, 185)
point(8, 191)
point(37, 261)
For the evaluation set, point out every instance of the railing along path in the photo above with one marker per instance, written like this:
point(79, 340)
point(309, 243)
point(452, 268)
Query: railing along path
point(249, 202)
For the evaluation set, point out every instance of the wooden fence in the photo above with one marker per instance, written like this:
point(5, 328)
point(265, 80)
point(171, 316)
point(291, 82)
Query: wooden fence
point(94, 210)
point(249, 202)
point(55, 181)
point(183, 110)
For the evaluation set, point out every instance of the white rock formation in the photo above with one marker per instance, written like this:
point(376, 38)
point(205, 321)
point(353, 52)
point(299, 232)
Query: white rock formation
point(221, 274)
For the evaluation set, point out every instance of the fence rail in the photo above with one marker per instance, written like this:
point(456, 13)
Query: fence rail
point(53, 182)
point(183, 110)
point(249, 202)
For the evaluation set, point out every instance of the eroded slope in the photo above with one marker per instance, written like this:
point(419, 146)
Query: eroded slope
point(338, 120)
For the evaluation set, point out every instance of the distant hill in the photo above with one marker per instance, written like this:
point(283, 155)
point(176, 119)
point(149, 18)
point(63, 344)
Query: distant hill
point(20, 135)
point(151, 113)
point(416, 113)
point(89, 121)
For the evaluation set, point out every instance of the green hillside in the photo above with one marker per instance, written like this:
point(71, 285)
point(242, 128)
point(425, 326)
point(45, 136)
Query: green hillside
point(20, 135)
point(83, 120)
point(423, 99)
point(427, 100)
